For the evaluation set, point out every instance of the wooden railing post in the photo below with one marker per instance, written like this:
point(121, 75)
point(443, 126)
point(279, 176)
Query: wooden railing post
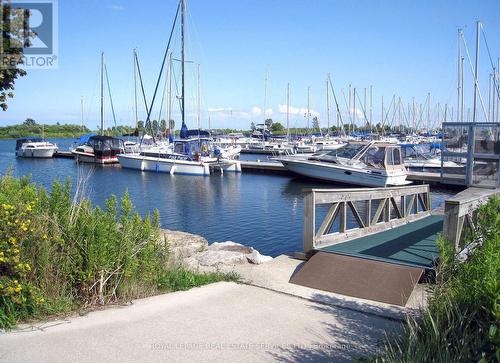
point(309, 230)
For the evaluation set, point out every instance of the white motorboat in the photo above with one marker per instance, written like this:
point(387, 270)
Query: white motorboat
point(419, 157)
point(34, 147)
point(374, 164)
point(192, 156)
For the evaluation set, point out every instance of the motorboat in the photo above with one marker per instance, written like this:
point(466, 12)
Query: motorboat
point(373, 164)
point(98, 149)
point(192, 156)
point(34, 147)
point(420, 157)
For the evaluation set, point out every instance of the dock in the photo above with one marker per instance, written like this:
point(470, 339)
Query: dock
point(63, 154)
point(390, 245)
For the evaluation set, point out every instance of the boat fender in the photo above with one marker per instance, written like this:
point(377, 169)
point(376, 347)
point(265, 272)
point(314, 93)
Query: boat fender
point(204, 148)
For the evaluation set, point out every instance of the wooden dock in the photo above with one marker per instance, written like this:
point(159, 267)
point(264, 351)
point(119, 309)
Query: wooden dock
point(63, 154)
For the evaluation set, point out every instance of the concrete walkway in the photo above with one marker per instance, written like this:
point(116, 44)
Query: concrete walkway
point(220, 322)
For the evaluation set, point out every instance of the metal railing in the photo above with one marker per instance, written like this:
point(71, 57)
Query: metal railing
point(353, 213)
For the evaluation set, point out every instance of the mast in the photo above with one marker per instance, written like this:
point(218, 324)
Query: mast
point(199, 100)
point(364, 106)
point(265, 105)
point(135, 91)
point(459, 76)
point(182, 63)
point(476, 71)
point(350, 114)
point(169, 111)
point(102, 93)
point(288, 111)
point(354, 110)
point(81, 100)
point(371, 107)
point(462, 91)
point(327, 108)
point(308, 107)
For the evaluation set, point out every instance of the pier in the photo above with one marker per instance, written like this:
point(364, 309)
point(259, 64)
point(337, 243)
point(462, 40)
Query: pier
point(377, 243)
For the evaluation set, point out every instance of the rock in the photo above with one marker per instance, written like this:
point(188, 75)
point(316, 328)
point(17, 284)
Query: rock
point(256, 258)
point(182, 244)
point(193, 252)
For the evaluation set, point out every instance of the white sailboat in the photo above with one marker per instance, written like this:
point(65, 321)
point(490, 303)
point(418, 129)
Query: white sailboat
point(192, 154)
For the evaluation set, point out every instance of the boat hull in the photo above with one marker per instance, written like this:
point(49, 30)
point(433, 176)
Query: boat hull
point(162, 165)
point(39, 153)
point(343, 174)
point(92, 159)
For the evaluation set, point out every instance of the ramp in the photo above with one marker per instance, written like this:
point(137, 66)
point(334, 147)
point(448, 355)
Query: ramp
point(359, 277)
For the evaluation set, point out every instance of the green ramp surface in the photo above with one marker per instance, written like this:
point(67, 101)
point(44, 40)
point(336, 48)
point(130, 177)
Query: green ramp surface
point(412, 244)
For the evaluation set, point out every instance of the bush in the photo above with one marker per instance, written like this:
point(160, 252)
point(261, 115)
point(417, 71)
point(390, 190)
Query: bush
point(59, 254)
point(462, 320)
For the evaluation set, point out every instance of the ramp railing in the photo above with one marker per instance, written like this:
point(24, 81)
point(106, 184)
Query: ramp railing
point(345, 214)
point(460, 212)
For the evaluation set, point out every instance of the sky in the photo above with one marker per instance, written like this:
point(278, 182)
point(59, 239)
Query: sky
point(402, 48)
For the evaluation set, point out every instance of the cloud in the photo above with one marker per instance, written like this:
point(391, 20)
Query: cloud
point(257, 111)
point(220, 109)
point(116, 7)
point(302, 111)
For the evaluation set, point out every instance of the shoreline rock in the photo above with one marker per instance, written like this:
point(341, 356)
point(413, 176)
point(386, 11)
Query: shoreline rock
point(193, 252)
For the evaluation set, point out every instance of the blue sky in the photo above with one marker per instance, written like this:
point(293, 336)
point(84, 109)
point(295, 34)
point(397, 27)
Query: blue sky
point(406, 48)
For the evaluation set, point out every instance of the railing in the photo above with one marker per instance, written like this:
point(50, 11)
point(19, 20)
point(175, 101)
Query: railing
point(460, 211)
point(367, 211)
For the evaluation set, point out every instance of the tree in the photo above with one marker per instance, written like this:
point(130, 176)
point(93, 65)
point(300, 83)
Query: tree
point(29, 122)
point(140, 125)
point(276, 127)
point(14, 39)
point(163, 125)
point(315, 124)
point(252, 126)
point(171, 124)
point(154, 125)
point(268, 122)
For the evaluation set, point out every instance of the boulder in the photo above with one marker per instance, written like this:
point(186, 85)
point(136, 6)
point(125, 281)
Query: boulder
point(183, 245)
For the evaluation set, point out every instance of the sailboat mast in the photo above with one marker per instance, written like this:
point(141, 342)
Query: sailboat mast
point(476, 72)
point(102, 93)
point(135, 91)
point(82, 111)
point(182, 61)
point(308, 107)
point(288, 111)
point(169, 113)
point(265, 105)
point(327, 107)
point(459, 80)
point(198, 96)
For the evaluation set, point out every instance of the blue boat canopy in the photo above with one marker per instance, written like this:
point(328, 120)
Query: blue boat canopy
point(85, 138)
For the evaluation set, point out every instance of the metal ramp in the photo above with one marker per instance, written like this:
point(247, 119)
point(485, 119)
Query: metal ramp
point(354, 276)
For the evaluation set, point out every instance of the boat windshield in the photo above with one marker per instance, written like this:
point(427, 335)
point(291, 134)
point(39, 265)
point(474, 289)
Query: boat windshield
point(349, 151)
point(374, 156)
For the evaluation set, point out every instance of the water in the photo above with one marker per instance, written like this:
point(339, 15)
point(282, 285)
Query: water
point(259, 210)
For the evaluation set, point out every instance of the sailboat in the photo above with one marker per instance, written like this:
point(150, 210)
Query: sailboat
point(193, 153)
point(99, 149)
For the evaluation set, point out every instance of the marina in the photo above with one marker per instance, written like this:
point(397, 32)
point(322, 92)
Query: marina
point(325, 190)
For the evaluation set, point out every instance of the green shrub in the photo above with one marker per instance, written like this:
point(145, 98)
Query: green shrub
point(462, 320)
point(58, 254)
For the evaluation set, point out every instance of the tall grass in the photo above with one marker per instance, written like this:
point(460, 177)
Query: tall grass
point(58, 254)
point(462, 320)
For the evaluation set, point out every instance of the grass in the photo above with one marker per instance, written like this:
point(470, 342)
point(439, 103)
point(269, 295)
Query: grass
point(462, 320)
point(59, 253)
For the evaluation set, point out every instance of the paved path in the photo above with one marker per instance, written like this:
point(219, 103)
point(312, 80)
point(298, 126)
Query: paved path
point(220, 322)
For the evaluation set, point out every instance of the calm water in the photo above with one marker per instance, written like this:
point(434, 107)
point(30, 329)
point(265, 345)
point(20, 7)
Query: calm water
point(259, 210)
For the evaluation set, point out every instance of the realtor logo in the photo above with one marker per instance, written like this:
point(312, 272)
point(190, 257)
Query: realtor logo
point(32, 28)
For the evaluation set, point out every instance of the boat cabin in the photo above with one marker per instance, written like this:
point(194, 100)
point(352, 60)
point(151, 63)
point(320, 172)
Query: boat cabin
point(379, 155)
point(27, 140)
point(192, 147)
point(104, 146)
